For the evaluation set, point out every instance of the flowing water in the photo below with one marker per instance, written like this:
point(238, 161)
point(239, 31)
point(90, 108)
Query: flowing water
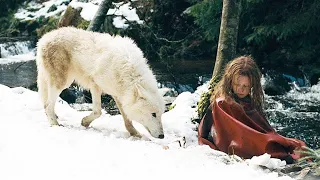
point(295, 114)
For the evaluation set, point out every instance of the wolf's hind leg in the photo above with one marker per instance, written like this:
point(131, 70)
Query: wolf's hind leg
point(96, 107)
point(128, 123)
point(43, 93)
point(49, 106)
point(42, 90)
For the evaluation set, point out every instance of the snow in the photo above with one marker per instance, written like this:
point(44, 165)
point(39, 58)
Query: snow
point(88, 9)
point(42, 9)
point(264, 160)
point(126, 11)
point(31, 149)
point(122, 13)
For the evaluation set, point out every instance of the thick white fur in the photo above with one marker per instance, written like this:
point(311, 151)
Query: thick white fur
point(103, 64)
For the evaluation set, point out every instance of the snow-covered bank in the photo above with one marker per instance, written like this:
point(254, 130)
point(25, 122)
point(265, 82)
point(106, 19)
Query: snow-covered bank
point(31, 149)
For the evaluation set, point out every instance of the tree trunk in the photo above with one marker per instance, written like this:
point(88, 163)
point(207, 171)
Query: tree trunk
point(228, 34)
point(226, 48)
point(100, 16)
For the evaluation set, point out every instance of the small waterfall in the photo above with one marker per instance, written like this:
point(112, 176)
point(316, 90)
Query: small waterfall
point(16, 67)
point(15, 48)
point(16, 52)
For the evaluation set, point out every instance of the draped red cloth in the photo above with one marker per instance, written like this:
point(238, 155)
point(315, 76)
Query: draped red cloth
point(247, 136)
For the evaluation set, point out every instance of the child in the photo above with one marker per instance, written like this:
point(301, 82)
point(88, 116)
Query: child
point(235, 122)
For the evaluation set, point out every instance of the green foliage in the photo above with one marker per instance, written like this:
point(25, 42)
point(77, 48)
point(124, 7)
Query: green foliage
point(204, 102)
point(8, 6)
point(49, 24)
point(278, 34)
point(7, 27)
point(168, 32)
point(208, 16)
point(310, 154)
point(10, 26)
point(311, 157)
point(285, 31)
point(172, 106)
point(83, 24)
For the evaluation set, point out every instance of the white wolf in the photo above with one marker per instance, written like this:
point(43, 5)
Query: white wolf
point(103, 64)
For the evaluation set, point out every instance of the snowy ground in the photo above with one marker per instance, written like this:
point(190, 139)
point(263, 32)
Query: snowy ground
point(31, 149)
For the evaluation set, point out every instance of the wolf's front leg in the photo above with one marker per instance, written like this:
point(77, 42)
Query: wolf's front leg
point(128, 123)
point(96, 107)
point(131, 129)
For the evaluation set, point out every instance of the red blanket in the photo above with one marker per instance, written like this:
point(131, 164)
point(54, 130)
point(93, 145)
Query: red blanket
point(248, 135)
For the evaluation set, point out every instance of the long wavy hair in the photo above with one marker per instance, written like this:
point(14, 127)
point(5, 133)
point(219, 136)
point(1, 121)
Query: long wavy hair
point(245, 66)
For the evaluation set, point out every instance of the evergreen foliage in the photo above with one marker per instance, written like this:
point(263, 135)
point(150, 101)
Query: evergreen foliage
point(312, 157)
point(211, 26)
point(7, 20)
point(49, 25)
point(169, 33)
point(11, 27)
point(279, 34)
point(8, 6)
point(286, 30)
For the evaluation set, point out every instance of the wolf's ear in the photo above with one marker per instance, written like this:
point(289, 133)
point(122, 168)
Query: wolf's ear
point(139, 92)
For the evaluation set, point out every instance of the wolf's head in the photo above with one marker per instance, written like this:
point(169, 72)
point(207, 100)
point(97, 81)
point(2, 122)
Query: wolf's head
point(146, 106)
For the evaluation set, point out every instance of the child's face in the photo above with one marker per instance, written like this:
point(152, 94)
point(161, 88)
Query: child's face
point(241, 86)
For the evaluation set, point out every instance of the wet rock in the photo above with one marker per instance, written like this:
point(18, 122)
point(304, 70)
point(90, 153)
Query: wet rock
point(291, 168)
point(52, 8)
point(69, 95)
point(275, 84)
point(22, 74)
point(71, 17)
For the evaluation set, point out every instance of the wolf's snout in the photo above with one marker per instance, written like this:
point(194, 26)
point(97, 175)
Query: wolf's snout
point(161, 136)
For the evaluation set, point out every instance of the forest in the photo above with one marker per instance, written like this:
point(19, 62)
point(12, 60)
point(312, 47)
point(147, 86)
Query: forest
point(282, 35)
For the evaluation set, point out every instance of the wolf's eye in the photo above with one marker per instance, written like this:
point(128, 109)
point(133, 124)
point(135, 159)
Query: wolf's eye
point(154, 114)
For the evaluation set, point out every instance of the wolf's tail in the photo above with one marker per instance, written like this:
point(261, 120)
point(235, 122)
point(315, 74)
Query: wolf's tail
point(41, 81)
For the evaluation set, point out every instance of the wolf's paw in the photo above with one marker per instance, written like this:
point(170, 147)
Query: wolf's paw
point(54, 123)
point(135, 133)
point(85, 122)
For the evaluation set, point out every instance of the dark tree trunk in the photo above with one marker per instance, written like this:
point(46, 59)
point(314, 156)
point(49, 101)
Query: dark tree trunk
point(228, 34)
point(226, 48)
point(100, 16)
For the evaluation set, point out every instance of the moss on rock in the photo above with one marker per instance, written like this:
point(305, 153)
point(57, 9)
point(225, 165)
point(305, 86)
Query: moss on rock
point(72, 17)
point(49, 24)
